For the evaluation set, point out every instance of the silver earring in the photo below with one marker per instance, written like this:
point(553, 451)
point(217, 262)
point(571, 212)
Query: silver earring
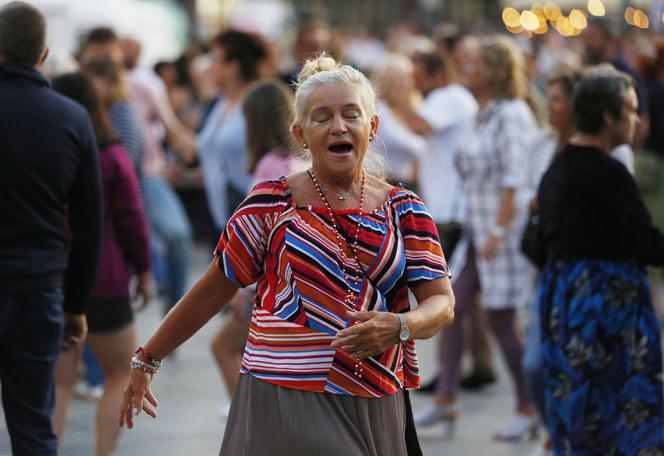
point(305, 146)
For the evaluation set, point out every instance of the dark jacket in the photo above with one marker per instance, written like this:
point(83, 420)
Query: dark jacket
point(125, 245)
point(50, 190)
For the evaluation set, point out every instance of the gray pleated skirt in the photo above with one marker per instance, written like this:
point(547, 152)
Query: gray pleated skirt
point(267, 419)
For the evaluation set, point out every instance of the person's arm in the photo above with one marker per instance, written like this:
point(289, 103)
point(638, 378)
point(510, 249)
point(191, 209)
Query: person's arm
point(131, 225)
point(204, 300)
point(127, 212)
point(497, 232)
point(84, 217)
point(378, 331)
point(181, 137)
point(416, 123)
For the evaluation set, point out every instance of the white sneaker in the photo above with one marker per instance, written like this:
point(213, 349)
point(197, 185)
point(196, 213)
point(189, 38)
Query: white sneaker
point(223, 412)
point(446, 414)
point(518, 427)
point(95, 392)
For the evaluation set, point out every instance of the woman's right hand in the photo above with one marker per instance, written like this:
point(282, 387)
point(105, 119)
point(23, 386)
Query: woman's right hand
point(137, 396)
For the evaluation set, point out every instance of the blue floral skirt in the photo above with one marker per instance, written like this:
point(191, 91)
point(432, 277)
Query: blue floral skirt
point(602, 358)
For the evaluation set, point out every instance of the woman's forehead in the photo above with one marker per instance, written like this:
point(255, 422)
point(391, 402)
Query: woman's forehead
point(333, 96)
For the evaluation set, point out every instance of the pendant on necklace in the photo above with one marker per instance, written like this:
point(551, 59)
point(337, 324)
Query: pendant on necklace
point(341, 197)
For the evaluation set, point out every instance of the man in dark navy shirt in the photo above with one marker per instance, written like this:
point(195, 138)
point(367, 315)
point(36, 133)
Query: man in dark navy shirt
point(50, 212)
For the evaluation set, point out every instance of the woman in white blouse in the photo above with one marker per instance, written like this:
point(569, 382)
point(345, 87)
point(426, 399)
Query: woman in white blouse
point(399, 145)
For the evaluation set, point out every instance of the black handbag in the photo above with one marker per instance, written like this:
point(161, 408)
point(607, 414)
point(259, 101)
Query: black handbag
point(531, 243)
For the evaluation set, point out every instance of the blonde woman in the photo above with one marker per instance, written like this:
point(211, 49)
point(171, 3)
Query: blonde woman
point(333, 251)
point(491, 163)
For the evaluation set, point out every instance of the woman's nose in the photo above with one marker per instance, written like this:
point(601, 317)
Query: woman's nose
point(338, 125)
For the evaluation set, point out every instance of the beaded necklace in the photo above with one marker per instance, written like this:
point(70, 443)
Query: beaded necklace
point(351, 297)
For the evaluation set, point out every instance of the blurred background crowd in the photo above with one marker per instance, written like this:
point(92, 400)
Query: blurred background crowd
point(176, 81)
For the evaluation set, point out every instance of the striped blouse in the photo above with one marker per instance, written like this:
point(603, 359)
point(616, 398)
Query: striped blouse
point(292, 254)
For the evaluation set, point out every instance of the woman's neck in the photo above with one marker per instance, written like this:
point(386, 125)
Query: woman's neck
point(565, 134)
point(588, 140)
point(236, 93)
point(345, 183)
point(483, 98)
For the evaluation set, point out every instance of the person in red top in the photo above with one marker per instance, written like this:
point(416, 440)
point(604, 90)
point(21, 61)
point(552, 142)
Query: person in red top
point(333, 252)
point(125, 251)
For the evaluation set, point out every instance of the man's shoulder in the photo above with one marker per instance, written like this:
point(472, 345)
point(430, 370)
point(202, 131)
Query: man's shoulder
point(28, 99)
point(455, 94)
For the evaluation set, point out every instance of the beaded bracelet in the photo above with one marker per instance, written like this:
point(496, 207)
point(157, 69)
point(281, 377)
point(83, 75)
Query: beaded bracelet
point(155, 362)
point(136, 363)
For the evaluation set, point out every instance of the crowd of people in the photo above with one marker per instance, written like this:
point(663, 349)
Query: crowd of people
point(359, 194)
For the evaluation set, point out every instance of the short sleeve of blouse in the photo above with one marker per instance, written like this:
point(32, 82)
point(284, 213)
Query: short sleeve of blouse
point(514, 142)
point(424, 255)
point(242, 246)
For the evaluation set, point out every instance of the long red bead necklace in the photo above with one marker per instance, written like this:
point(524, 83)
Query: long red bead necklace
point(351, 297)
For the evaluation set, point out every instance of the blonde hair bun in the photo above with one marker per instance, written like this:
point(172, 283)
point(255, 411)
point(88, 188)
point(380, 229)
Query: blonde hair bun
point(316, 65)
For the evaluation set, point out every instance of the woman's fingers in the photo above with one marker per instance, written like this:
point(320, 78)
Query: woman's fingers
point(151, 398)
point(149, 410)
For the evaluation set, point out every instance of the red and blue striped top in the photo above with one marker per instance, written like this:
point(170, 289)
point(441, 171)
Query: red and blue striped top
point(292, 254)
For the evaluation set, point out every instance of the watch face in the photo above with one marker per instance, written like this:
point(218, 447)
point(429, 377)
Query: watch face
point(404, 334)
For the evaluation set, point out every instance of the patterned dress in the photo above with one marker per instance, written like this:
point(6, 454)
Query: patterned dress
point(293, 255)
point(601, 348)
point(493, 158)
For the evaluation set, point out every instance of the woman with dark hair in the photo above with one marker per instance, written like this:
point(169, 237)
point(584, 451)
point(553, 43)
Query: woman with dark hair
point(268, 110)
point(600, 337)
point(546, 147)
point(125, 252)
point(238, 63)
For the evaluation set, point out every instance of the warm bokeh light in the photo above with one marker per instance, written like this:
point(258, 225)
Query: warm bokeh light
point(511, 17)
point(542, 29)
point(596, 7)
point(517, 29)
point(629, 15)
point(529, 20)
point(552, 11)
point(565, 28)
point(641, 19)
point(578, 19)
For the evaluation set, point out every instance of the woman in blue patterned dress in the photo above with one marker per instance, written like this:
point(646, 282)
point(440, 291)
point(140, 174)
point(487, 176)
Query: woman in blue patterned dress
point(600, 336)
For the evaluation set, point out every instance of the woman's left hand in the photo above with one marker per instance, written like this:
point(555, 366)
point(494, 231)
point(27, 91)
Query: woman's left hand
point(492, 247)
point(371, 334)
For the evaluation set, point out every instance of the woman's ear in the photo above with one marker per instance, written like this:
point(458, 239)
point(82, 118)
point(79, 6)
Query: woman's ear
point(374, 126)
point(298, 133)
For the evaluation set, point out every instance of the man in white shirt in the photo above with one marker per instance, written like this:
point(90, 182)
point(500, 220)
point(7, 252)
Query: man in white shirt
point(445, 116)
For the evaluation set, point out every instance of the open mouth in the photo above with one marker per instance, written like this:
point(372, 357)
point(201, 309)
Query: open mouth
point(340, 147)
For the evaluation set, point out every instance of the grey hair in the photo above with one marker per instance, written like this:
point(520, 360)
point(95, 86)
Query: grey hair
point(323, 71)
point(601, 89)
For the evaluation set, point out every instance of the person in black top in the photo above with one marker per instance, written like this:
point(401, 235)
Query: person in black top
point(50, 229)
point(600, 336)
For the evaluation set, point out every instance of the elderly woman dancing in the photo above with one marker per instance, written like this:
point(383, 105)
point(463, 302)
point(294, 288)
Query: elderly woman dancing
point(333, 251)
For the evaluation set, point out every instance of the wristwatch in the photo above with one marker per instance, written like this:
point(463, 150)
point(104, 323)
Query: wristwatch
point(404, 332)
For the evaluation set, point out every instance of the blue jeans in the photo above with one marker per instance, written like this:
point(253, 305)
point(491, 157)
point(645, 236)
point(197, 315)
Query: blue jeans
point(31, 325)
point(533, 369)
point(170, 227)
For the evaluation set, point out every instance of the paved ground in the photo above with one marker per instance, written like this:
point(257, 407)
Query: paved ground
point(190, 391)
